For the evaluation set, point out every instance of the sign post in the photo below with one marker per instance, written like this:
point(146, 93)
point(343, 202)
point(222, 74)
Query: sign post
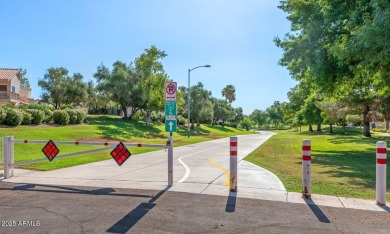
point(170, 123)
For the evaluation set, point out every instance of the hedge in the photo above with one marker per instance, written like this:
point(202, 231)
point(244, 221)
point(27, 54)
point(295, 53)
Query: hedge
point(37, 116)
point(61, 117)
point(14, 117)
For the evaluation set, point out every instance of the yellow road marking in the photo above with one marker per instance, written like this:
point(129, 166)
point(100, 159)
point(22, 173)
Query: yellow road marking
point(224, 170)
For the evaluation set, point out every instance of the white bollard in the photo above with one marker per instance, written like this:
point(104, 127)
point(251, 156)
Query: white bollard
point(170, 161)
point(306, 164)
point(233, 164)
point(8, 157)
point(381, 150)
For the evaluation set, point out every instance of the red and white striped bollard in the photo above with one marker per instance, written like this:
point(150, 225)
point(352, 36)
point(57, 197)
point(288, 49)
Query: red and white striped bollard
point(306, 164)
point(233, 164)
point(381, 160)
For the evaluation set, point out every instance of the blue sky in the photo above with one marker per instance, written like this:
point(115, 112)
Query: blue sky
point(234, 37)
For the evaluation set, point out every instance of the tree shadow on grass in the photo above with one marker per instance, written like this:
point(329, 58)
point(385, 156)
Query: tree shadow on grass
point(348, 139)
point(358, 167)
point(119, 129)
point(221, 129)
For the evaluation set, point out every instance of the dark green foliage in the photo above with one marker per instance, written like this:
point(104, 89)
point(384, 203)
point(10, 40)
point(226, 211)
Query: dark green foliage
point(27, 117)
point(72, 116)
point(3, 114)
point(61, 117)
point(37, 116)
point(14, 117)
point(81, 115)
point(48, 116)
point(246, 123)
point(181, 120)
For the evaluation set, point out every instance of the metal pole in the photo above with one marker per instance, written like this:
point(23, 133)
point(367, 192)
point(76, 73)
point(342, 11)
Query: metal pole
point(188, 103)
point(233, 164)
point(381, 160)
point(306, 164)
point(170, 161)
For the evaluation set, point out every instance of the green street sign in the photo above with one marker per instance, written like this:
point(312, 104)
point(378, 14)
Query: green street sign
point(170, 110)
point(170, 125)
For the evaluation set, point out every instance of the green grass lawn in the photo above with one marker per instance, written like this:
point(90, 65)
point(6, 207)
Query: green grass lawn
point(342, 165)
point(102, 128)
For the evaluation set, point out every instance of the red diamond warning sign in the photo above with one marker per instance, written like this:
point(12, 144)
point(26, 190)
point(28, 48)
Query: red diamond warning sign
point(120, 153)
point(50, 150)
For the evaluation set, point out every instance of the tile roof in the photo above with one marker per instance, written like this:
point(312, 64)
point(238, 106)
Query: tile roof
point(8, 73)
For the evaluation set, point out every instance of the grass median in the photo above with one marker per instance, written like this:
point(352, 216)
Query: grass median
point(102, 129)
point(342, 164)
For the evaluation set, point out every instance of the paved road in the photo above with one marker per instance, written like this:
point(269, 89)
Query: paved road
point(71, 209)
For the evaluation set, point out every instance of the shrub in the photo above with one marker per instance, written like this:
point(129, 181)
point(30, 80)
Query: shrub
point(246, 123)
point(138, 116)
point(3, 114)
point(27, 117)
point(48, 116)
point(14, 117)
point(233, 125)
point(67, 106)
point(356, 120)
point(72, 116)
point(156, 117)
point(81, 115)
point(181, 120)
point(37, 116)
point(61, 117)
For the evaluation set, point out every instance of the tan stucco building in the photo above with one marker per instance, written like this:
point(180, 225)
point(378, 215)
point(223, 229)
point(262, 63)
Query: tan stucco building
point(10, 90)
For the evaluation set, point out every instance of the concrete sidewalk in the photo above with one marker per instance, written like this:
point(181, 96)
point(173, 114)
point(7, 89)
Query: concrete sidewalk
point(149, 171)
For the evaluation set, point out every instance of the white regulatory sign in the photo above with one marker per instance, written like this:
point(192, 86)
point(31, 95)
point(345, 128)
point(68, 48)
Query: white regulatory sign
point(170, 91)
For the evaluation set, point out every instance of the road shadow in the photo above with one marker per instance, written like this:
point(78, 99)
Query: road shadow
point(316, 211)
point(70, 190)
point(385, 208)
point(129, 220)
point(231, 202)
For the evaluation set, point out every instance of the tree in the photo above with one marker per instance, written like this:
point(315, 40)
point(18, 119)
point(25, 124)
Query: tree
point(259, 117)
point(98, 102)
point(239, 115)
point(24, 82)
point(122, 84)
point(275, 113)
point(153, 78)
point(229, 92)
point(52, 85)
point(246, 123)
point(59, 88)
point(75, 90)
point(181, 101)
point(292, 110)
point(222, 111)
point(311, 113)
point(340, 47)
point(200, 104)
point(331, 112)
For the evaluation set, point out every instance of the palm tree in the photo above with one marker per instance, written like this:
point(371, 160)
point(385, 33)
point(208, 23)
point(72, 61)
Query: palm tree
point(229, 92)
